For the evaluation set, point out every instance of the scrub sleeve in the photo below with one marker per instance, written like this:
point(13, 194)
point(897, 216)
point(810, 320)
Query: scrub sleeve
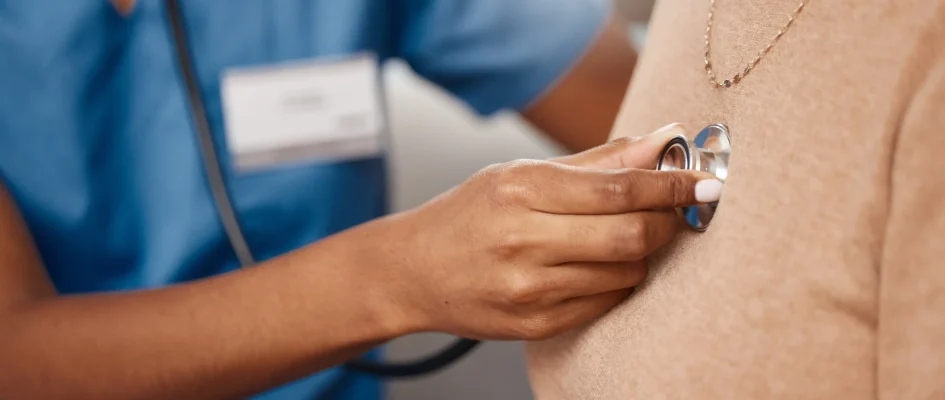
point(497, 54)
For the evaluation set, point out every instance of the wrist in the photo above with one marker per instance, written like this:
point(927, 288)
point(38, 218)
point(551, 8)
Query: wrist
point(375, 257)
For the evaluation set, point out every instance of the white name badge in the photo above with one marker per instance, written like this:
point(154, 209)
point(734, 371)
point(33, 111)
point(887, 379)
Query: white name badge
point(322, 110)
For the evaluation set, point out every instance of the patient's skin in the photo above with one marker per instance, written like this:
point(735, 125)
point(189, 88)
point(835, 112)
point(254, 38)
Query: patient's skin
point(822, 275)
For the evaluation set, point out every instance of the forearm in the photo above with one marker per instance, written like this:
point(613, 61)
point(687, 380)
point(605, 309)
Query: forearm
point(223, 337)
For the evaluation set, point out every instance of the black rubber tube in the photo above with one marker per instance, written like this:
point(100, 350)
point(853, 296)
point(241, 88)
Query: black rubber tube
point(441, 360)
point(393, 370)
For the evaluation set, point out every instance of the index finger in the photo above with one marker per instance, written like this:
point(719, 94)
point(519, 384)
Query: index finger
point(583, 191)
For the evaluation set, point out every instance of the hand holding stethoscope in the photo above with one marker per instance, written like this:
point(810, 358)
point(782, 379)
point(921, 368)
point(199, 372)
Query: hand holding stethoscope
point(522, 250)
point(529, 249)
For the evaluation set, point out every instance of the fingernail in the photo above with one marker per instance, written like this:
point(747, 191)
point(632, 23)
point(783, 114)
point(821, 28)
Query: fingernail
point(708, 191)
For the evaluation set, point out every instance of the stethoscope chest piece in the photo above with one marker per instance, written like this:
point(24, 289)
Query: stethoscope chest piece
point(708, 152)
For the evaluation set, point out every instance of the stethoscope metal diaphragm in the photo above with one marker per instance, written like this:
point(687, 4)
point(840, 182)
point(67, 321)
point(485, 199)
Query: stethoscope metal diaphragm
point(708, 152)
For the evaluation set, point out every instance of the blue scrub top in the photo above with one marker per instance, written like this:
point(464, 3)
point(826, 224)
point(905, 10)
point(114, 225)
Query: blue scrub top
point(99, 150)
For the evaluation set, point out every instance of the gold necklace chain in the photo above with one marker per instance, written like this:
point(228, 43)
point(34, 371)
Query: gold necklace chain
point(751, 65)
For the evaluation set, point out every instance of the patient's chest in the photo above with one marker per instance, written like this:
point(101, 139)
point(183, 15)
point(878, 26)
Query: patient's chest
point(778, 298)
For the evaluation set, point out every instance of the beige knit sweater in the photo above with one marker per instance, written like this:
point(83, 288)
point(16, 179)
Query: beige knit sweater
point(823, 273)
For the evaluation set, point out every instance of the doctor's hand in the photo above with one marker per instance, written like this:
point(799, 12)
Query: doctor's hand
point(529, 249)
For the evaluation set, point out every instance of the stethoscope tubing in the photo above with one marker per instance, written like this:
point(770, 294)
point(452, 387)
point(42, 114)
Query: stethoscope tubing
point(231, 225)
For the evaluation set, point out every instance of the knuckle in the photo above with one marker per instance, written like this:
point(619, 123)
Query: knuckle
point(620, 144)
point(491, 172)
point(631, 240)
point(617, 188)
point(511, 192)
point(522, 289)
point(624, 141)
point(677, 187)
point(511, 182)
point(521, 168)
point(510, 245)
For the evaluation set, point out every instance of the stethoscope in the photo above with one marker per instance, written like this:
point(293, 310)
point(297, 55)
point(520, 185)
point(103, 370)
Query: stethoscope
point(234, 233)
point(708, 152)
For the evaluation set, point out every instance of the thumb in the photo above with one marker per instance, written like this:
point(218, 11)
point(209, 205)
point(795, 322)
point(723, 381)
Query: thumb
point(640, 152)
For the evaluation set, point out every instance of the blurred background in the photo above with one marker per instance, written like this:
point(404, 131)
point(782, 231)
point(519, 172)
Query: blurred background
point(429, 128)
